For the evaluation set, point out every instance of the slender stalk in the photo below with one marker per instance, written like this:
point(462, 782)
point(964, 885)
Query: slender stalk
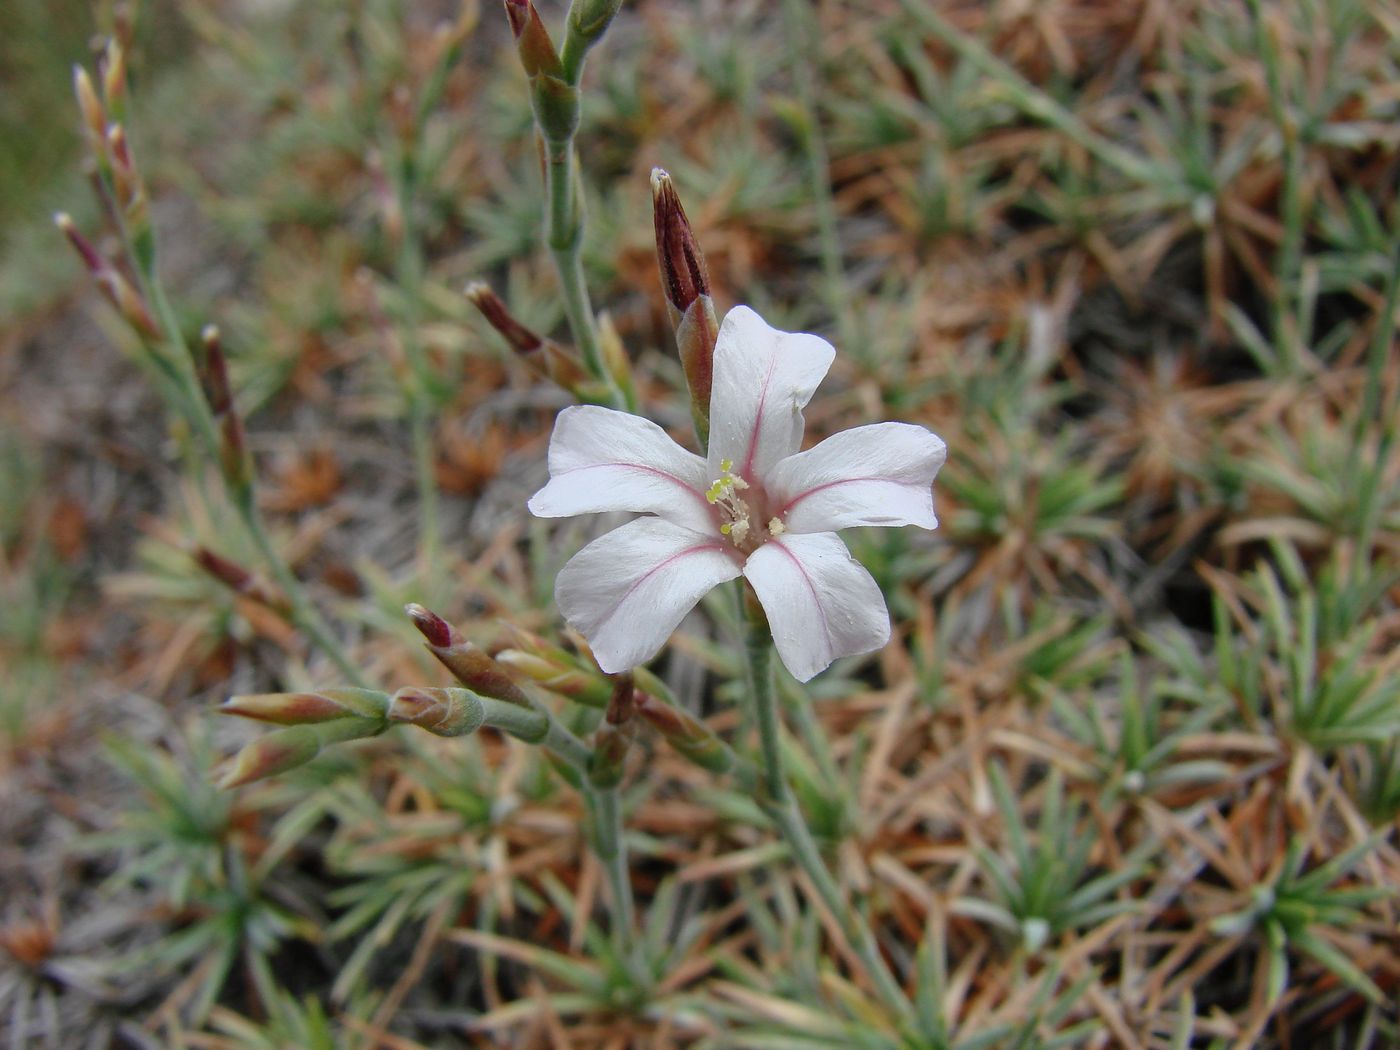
point(304, 614)
point(800, 45)
point(564, 234)
point(409, 274)
point(612, 851)
point(537, 725)
point(1288, 262)
point(781, 807)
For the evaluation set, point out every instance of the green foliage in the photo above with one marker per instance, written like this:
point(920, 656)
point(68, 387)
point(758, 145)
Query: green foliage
point(1291, 909)
point(1048, 887)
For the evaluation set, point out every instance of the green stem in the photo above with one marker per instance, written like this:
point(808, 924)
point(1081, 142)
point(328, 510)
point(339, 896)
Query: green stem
point(782, 808)
point(537, 725)
point(409, 275)
point(800, 51)
point(564, 233)
point(608, 844)
point(1288, 263)
point(304, 614)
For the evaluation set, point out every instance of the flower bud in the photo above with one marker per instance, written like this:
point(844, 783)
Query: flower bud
point(688, 735)
point(685, 280)
point(442, 712)
point(130, 193)
point(116, 288)
point(242, 582)
point(537, 53)
point(126, 180)
point(544, 357)
point(295, 746)
point(684, 276)
point(234, 459)
point(94, 115)
point(114, 78)
point(589, 20)
point(559, 674)
point(471, 666)
point(325, 705)
point(553, 98)
point(272, 754)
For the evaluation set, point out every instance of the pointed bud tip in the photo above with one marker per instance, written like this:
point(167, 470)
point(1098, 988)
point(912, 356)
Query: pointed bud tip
point(660, 181)
point(518, 12)
point(432, 626)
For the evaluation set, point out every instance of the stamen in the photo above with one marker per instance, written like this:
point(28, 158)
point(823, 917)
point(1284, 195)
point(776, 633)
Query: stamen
point(723, 493)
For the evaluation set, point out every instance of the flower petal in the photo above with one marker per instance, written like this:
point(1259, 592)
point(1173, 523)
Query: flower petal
point(880, 474)
point(601, 460)
point(763, 379)
point(628, 590)
point(821, 603)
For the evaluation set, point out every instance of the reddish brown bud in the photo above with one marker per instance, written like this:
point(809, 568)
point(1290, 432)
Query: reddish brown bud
point(84, 247)
point(432, 626)
point(537, 53)
point(544, 356)
point(686, 283)
point(213, 377)
point(214, 373)
point(241, 581)
point(470, 665)
point(116, 288)
point(684, 276)
point(499, 317)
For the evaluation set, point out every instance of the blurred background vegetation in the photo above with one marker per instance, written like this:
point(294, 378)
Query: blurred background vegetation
point(1127, 775)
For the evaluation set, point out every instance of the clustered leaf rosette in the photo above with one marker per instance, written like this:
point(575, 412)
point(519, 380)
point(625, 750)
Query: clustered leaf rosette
point(757, 507)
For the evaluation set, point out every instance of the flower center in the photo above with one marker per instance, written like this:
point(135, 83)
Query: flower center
point(738, 519)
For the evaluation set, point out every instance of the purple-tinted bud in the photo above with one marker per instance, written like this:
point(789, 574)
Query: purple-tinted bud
point(686, 284)
point(537, 52)
point(239, 580)
point(684, 276)
point(470, 665)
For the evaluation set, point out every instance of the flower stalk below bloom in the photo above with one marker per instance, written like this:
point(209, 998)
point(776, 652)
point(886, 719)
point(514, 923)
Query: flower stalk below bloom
point(782, 808)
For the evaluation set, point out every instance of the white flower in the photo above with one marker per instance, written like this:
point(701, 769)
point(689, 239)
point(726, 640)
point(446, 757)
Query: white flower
point(758, 508)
